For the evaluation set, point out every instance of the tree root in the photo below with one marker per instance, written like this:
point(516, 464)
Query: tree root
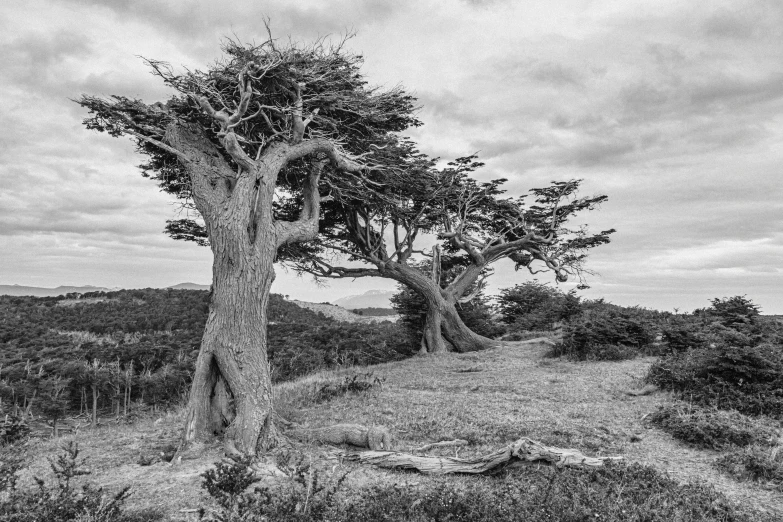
point(524, 449)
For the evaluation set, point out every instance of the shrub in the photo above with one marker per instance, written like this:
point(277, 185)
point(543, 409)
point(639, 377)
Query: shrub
point(353, 383)
point(309, 495)
point(732, 312)
point(61, 501)
point(711, 429)
point(606, 332)
point(681, 334)
point(747, 379)
point(756, 462)
point(536, 306)
point(13, 429)
point(628, 493)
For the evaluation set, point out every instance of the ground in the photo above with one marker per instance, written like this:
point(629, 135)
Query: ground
point(489, 398)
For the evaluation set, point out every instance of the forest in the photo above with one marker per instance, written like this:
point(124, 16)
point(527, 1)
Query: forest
point(115, 352)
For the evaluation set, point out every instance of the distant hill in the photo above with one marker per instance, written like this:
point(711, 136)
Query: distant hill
point(18, 290)
point(369, 299)
point(341, 314)
point(189, 286)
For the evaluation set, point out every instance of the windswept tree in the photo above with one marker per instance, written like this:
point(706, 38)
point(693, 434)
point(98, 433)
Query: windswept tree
point(250, 144)
point(476, 226)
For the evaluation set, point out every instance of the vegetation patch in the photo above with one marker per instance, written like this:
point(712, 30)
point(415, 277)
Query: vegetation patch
point(58, 500)
point(748, 379)
point(760, 463)
point(355, 383)
point(608, 332)
point(712, 429)
point(614, 493)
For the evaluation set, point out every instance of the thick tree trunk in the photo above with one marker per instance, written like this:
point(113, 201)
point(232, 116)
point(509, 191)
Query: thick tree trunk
point(445, 331)
point(232, 390)
point(459, 335)
point(432, 340)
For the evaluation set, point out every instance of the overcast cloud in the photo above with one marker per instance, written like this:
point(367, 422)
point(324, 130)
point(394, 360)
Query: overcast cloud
point(674, 109)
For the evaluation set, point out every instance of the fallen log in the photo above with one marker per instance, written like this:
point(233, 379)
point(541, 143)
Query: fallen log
point(441, 444)
point(522, 450)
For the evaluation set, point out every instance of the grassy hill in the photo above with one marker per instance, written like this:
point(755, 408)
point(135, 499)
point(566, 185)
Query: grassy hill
point(488, 398)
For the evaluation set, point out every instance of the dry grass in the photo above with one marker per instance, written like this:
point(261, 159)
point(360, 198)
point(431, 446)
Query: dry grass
point(488, 398)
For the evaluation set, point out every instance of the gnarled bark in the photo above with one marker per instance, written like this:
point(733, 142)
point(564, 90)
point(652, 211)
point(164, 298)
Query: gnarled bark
point(232, 389)
point(525, 450)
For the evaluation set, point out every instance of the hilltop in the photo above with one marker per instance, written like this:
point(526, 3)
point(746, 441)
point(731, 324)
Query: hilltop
point(369, 299)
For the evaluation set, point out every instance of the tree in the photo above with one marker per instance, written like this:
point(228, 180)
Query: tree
point(248, 144)
point(475, 226)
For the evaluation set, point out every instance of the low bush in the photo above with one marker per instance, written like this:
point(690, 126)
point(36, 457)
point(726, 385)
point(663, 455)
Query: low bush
point(309, 495)
point(627, 493)
point(757, 462)
point(351, 384)
point(13, 429)
point(712, 429)
point(748, 379)
point(61, 501)
point(607, 332)
point(682, 334)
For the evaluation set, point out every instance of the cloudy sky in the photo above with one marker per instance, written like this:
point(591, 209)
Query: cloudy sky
point(674, 109)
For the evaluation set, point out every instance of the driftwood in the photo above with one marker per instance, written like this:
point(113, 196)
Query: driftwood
point(441, 444)
point(522, 450)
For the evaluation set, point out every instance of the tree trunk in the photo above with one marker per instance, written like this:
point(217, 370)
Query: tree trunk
point(432, 340)
point(232, 390)
point(445, 331)
point(94, 405)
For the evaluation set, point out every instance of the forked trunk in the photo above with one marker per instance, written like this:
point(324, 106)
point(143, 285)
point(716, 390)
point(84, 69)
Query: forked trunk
point(445, 331)
point(232, 390)
point(432, 340)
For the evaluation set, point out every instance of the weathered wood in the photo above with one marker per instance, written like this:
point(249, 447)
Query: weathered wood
point(441, 444)
point(522, 450)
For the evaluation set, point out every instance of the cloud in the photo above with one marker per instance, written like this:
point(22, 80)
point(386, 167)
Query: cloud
point(673, 111)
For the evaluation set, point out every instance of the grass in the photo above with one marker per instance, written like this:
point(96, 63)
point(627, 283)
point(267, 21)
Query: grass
point(489, 398)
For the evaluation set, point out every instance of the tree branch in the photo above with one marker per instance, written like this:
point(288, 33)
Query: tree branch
point(306, 227)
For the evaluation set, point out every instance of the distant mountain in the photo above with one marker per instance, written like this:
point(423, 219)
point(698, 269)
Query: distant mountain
point(18, 290)
point(189, 286)
point(369, 299)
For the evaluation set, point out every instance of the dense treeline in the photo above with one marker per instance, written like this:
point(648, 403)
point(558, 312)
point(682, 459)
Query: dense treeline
point(112, 352)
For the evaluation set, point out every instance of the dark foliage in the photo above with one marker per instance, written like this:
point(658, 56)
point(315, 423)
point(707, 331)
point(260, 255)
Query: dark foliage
point(608, 332)
point(725, 356)
point(60, 501)
point(748, 379)
point(13, 429)
point(138, 348)
point(536, 306)
point(680, 334)
point(631, 493)
point(710, 428)
point(374, 312)
point(732, 312)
